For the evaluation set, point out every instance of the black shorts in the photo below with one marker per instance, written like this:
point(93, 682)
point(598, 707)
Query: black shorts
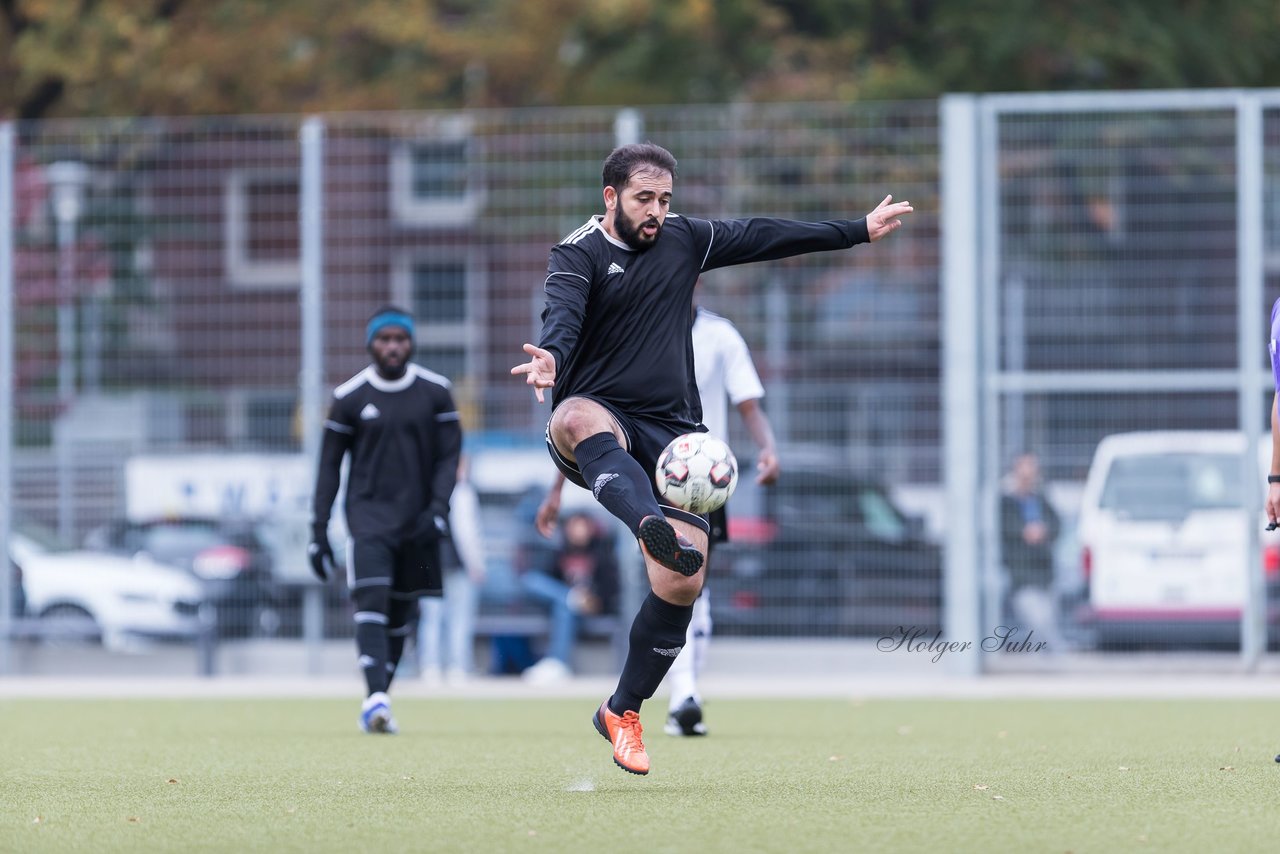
point(647, 438)
point(719, 527)
point(410, 566)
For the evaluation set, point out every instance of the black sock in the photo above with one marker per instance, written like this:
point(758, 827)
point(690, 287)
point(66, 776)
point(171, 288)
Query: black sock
point(402, 621)
point(372, 604)
point(618, 482)
point(371, 641)
point(657, 634)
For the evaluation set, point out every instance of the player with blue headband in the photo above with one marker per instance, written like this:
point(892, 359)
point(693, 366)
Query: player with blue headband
point(398, 424)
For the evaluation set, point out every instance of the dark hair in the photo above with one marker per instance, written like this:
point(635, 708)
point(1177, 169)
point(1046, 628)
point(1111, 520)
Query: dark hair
point(625, 160)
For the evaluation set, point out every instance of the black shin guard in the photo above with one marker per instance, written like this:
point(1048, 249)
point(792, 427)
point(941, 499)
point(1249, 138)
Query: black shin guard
point(618, 482)
point(403, 620)
point(372, 604)
point(657, 635)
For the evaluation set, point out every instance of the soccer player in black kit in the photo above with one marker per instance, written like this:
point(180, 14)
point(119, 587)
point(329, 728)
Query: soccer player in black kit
point(617, 353)
point(398, 422)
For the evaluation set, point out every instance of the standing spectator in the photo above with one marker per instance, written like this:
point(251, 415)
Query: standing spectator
point(1029, 527)
point(582, 581)
point(398, 423)
point(615, 350)
point(446, 631)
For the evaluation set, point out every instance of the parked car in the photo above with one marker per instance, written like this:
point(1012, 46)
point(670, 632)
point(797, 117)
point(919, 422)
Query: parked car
point(824, 552)
point(17, 592)
point(90, 595)
point(1164, 539)
point(228, 557)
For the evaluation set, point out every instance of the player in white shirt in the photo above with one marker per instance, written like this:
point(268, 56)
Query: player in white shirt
point(725, 375)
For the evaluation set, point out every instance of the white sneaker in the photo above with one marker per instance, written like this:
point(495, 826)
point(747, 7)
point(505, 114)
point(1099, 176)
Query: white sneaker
point(457, 676)
point(375, 715)
point(548, 671)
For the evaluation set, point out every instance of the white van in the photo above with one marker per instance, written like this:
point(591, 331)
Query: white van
point(1163, 536)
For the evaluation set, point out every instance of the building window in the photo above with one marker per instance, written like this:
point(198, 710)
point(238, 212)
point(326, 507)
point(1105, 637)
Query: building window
point(445, 292)
point(261, 240)
point(438, 291)
point(435, 182)
point(449, 362)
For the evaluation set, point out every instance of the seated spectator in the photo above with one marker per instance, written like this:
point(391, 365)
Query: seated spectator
point(582, 580)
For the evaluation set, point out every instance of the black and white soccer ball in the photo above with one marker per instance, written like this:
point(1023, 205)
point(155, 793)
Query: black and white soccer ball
point(697, 472)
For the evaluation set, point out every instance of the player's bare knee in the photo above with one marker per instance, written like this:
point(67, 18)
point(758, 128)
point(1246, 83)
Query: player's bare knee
point(673, 587)
point(576, 419)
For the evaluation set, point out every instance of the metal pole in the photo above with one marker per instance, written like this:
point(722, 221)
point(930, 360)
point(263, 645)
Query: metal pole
point(311, 372)
point(67, 179)
point(961, 289)
point(6, 390)
point(66, 337)
point(1250, 179)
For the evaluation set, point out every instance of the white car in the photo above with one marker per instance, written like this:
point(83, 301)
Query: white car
point(97, 595)
point(1164, 537)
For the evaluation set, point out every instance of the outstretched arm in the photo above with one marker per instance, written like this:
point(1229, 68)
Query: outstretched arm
point(744, 241)
point(757, 423)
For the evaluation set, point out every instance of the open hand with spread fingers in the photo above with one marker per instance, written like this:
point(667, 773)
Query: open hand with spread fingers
point(885, 218)
point(539, 371)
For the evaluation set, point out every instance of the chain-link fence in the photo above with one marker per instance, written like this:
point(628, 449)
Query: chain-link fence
point(186, 292)
point(1126, 246)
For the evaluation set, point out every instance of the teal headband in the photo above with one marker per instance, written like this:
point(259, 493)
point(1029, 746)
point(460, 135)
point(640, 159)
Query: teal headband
point(387, 318)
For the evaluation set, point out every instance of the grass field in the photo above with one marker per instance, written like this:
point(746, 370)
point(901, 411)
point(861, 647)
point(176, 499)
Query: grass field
point(489, 775)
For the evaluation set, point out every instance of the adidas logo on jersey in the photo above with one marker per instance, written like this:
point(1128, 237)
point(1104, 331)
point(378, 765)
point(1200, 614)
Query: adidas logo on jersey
point(369, 412)
point(614, 268)
point(669, 653)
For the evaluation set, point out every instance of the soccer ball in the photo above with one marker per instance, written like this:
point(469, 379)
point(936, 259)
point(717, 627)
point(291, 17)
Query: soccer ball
point(697, 472)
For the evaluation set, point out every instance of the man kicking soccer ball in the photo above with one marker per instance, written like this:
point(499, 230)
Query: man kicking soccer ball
point(725, 374)
point(399, 424)
point(616, 350)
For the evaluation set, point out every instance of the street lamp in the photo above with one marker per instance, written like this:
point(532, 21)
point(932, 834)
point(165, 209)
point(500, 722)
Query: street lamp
point(67, 181)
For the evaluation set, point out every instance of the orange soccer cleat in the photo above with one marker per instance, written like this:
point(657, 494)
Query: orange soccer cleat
point(624, 733)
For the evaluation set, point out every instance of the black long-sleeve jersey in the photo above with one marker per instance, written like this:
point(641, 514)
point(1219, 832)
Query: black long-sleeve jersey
point(618, 320)
point(404, 438)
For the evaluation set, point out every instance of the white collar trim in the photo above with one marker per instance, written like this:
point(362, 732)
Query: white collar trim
point(375, 379)
point(598, 219)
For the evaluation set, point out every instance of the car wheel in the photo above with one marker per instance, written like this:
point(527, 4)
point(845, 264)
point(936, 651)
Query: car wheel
point(69, 625)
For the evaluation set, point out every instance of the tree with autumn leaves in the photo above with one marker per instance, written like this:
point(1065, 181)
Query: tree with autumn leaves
point(61, 58)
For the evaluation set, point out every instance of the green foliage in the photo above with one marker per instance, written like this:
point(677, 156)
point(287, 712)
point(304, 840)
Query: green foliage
point(171, 57)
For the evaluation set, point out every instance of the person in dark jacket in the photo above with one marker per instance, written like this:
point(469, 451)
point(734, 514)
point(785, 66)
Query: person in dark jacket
point(1029, 527)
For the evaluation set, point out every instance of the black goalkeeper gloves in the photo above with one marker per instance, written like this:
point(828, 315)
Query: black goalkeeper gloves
point(320, 554)
point(433, 523)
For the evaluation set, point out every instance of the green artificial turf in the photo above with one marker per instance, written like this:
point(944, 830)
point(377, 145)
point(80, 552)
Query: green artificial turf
point(507, 775)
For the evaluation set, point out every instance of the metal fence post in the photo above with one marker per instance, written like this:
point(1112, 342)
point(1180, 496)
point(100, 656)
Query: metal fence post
point(962, 443)
point(6, 389)
point(311, 373)
point(1250, 179)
